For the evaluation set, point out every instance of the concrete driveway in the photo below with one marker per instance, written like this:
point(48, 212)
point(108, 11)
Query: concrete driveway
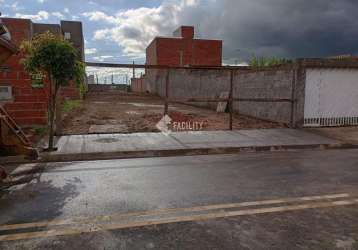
point(282, 200)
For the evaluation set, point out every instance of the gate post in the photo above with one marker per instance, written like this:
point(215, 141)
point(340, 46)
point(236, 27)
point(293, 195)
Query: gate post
point(231, 108)
point(293, 96)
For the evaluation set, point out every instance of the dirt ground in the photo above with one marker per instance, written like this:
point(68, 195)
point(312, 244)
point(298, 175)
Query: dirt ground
point(129, 113)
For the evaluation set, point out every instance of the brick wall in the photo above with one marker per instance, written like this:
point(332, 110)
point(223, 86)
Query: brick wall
point(185, 32)
point(28, 105)
point(207, 52)
point(151, 53)
point(183, 50)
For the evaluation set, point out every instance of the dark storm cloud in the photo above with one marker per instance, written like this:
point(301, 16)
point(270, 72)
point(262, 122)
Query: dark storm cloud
point(296, 28)
point(282, 28)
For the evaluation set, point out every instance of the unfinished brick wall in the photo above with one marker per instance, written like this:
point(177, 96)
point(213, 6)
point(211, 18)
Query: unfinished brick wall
point(28, 105)
point(183, 49)
point(180, 52)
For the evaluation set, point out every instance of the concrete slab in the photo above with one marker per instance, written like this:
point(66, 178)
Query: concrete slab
point(79, 144)
point(111, 128)
point(347, 134)
point(263, 137)
point(110, 146)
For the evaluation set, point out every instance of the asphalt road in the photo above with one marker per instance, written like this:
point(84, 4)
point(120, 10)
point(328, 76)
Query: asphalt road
point(290, 200)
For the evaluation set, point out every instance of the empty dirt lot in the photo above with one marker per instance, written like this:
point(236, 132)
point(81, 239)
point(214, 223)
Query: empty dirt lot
point(129, 113)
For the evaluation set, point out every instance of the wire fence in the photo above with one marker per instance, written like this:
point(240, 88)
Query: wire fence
point(106, 75)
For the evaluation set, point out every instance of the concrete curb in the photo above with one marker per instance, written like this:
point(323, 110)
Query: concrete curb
point(48, 157)
point(179, 152)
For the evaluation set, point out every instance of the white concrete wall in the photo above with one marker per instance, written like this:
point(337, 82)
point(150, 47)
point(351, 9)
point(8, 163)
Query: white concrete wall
point(331, 97)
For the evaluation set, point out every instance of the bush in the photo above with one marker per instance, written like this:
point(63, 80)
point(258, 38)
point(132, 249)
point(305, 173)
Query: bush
point(70, 105)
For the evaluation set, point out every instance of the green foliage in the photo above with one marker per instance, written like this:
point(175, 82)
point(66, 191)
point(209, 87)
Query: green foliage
point(262, 61)
point(79, 75)
point(83, 90)
point(41, 131)
point(71, 105)
point(52, 54)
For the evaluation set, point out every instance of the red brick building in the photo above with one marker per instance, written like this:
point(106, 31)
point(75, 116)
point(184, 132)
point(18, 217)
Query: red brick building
point(184, 50)
point(25, 101)
point(180, 50)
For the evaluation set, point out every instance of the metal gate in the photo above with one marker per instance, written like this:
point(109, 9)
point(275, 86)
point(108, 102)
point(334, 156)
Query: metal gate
point(331, 97)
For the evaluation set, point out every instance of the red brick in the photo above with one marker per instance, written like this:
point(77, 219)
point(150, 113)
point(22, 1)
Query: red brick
point(28, 113)
point(27, 100)
point(31, 120)
point(183, 51)
point(26, 106)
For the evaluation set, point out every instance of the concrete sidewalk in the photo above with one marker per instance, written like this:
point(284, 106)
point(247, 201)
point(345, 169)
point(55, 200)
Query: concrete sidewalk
point(115, 146)
point(348, 135)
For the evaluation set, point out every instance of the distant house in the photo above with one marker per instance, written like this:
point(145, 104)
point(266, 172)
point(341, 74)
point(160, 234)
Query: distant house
point(180, 50)
point(26, 97)
point(183, 49)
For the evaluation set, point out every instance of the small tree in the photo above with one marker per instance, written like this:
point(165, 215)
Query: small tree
point(55, 57)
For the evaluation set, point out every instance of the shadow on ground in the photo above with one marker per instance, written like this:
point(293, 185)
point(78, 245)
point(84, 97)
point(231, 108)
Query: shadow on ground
point(37, 200)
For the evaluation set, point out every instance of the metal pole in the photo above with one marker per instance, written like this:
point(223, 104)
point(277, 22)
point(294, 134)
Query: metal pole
point(231, 108)
point(133, 70)
point(166, 106)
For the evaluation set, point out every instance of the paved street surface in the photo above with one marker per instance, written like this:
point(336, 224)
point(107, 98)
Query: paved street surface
point(282, 200)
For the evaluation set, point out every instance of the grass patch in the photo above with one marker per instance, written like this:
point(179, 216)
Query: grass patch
point(70, 105)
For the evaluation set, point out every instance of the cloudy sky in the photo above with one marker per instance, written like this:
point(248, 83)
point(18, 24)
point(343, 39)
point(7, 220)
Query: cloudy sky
point(120, 30)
